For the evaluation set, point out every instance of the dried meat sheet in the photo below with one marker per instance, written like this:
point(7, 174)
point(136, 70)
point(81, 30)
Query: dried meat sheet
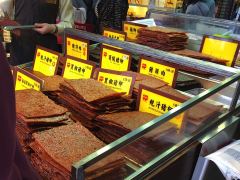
point(88, 98)
point(45, 120)
point(36, 112)
point(113, 126)
point(201, 56)
point(52, 83)
point(68, 148)
point(147, 81)
point(34, 104)
point(198, 113)
point(128, 120)
point(91, 90)
point(162, 38)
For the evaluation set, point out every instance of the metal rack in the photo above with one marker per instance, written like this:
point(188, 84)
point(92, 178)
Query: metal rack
point(232, 76)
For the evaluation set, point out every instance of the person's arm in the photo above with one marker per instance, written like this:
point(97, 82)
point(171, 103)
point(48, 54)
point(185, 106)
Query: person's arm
point(65, 17)
point(7, 119)
point(6, 9)
point(13, 163)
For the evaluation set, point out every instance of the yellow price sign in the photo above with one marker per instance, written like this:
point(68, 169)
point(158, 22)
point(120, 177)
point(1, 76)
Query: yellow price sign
point(173, 4)
point(119, 82)
point(132, 29)
point(78, 69)
point(25, 80)
point(76, 47)
point(46, 61)
point(159, 70)
point(114, 34)
point(222, 48)
point(115, 59)
point(158, 103)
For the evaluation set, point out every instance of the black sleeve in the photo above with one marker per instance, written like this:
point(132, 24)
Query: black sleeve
point(13, 163)
point(7, 118)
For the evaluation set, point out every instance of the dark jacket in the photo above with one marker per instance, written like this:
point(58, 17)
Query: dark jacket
point(104, 13)
point(13, 163)
point(29, 12)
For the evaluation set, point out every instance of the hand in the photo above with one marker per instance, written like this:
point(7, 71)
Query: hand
point(44, 28)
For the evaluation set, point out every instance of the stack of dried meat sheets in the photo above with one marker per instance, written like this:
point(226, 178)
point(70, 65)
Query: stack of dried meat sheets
point(51, 86)
point(189, 69)
point(196, 115)
point(57, 149)
point(145, 80)
point(36, 112)
point(116, 125)
point(185, 83)
point(88, 98)
point(162, 38)
point(201, 56)
point(199, 114)
point(113, 126)
point(197, 56)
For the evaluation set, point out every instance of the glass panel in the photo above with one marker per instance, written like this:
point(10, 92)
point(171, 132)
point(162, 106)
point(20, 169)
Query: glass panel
point(166, 137)
point(195, 24)
point(205, 83)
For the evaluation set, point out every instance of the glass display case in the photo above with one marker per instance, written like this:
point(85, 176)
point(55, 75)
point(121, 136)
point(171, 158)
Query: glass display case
point(198, 25)
point(154, 149)
point(138, 9)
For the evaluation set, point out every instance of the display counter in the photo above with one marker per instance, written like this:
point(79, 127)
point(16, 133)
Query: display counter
point(90, 126)
point(149, 133)
point(152, 149)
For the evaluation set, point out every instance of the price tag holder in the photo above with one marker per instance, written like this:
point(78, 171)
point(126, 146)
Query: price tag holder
point(25, 80)
point(222, 48)
point(155, 102)
point(119, 82)
point(132, 29)
point(115, 59)
point(46, 61)
point(158, 69)
point(78, 69)
point(114, 34)
point(76, 47)
point(173, 4)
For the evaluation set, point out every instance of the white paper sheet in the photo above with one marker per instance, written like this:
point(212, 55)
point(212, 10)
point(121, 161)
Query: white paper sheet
point(228, 160)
